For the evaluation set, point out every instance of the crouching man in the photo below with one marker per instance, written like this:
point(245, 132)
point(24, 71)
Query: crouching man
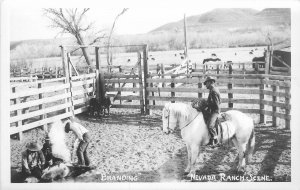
point(83, 137)
point(33, 160)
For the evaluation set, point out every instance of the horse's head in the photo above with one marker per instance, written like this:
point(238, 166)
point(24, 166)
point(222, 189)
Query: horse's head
point(169, 120)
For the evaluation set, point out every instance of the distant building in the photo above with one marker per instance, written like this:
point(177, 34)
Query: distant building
point(282, 54)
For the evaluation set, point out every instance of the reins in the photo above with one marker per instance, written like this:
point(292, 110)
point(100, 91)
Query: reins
point(185, 124)
point(190, 121)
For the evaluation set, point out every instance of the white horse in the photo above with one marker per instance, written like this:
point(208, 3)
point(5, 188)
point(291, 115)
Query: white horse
point(239, 128)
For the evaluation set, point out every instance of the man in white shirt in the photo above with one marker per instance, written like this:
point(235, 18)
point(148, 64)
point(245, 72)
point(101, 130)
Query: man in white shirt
point(83, 137)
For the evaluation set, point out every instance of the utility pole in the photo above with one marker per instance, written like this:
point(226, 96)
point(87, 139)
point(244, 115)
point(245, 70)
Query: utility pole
point(185, 40)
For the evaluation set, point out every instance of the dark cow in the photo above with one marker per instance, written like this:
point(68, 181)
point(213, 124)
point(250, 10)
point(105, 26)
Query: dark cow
point(105, 104)
point(95, 106)
point(211, 59)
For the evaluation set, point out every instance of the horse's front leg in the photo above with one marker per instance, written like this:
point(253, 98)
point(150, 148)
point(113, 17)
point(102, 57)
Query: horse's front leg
point(195, 149)
point(188, 167)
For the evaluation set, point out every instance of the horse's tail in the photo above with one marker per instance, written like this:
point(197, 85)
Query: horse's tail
point(251, 143)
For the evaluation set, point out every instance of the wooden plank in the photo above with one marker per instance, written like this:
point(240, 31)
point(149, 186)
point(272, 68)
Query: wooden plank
point(275, 77)
point(129, 97)
point(277, 83)
point(123, 89)
point(81, 83)
point(287, 111)
point(19, 123)
point(279, 94)
point(274, 108)
point(84, 76)
point(252, 111)
point(196, 80)
point(172, 99)
point(41, 107)
point(146, 73)
point(262, 118)
point(172, 92)
point(14, 130)
point(82, 91)
point(80, 110)
point(275, 114)
point(276, 104)
point(120, 76)
point(122, 80)
point(201, 90)
point(125, 106)
point(141, 90)
point(39, 91)
point(279, 73)
point(39, 112)
point(150, 89)
point(80, 101)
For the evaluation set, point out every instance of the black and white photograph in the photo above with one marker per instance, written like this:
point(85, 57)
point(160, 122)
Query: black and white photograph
point(149, 94)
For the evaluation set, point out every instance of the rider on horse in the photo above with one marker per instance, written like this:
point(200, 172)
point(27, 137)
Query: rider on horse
point(213, 105)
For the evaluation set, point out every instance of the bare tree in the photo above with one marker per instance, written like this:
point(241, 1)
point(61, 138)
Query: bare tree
point(109, 54)
point(71, 21)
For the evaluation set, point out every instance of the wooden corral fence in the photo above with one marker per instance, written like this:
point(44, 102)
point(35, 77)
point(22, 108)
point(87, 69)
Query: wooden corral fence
point(42, 102)
point(242, 86)
point(39, 103)
point(265, 95)
point(259, 94)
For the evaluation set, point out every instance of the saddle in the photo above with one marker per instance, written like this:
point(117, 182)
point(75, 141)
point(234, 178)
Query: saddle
point(201, 106)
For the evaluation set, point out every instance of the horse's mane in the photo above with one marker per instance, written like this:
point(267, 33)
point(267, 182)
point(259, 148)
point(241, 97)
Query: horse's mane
point(186, 111)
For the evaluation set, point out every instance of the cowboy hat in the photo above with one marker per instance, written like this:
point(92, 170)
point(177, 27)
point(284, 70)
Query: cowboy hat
point(209, 79)
point(33, 146)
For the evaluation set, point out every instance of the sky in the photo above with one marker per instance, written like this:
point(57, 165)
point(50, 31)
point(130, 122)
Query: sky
point(27, 21)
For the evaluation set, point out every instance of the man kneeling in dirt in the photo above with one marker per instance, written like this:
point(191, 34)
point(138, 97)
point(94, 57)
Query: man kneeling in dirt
point(83, 136)
point(33, 160)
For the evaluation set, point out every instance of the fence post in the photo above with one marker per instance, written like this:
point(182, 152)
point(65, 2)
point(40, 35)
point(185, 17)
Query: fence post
point(145, 62)
point(152, 93)
point(141, 82)
point(67, 75)
point(199, 87)
point(287, 103)
point(230, 86)
point(133, 84)
point(261, 98)
point(274, 108)
point(172, 87)
point(97, 74)
point(71, 85)
point(162, 67)
point(18, 112)
point(268, 60)
point(41, 107)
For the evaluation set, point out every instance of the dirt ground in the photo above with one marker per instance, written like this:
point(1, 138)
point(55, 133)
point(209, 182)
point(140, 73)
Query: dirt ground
point(128, 144)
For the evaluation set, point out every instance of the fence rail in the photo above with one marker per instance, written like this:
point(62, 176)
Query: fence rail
point(265, 95)
point(40, 103)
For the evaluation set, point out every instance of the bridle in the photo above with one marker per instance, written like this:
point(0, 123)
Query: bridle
point(172, 130)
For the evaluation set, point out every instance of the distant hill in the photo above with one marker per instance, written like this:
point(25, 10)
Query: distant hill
point(230, 18)
point(234, 27)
